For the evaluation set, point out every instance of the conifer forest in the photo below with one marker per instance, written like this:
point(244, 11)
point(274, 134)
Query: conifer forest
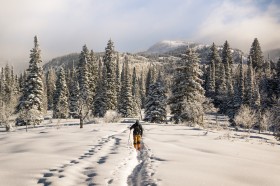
point(244, 87)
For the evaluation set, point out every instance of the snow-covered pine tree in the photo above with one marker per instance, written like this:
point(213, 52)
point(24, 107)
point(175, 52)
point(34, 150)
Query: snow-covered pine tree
point(9, 95)
point(227, 60)
point(2, 83)
point(187, 92)
point(221, 97)
point(126, 105)
point(134, 82)
point(74, 94)
point(249, 88)
point(214, 55)
point(60, 99)
point(99, 105)
point(239, 88)
point(33, 89)
point(118, 81)
point(83, 75)
point(256, 56)
point(149, 81)
point(156, 101)
point(210, 86)
point(142, 90)
point(50, 83)
point(110, 64)
point(93, 73)
point(85, 97)
point(136, 92)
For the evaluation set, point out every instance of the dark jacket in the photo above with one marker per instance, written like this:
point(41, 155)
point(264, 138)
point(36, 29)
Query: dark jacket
point(137, 128)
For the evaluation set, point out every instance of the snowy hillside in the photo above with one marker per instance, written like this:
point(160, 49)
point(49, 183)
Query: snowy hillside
point(138, 61)
point(166, 46)
point(102, 154)
point(272, 54)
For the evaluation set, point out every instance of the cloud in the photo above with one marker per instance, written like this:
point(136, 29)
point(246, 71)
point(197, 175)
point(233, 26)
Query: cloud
point(64, 26)
point(240, 23)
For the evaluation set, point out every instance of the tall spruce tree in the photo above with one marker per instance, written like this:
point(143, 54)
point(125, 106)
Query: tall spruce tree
point(83, 75)
point(149, 81)
point(110, 64)
point(99, 105)
point(187, 92)
point(249, 90)
point(93, 73)
point(60, 99)
point(74, 94)
point(155, 107)
point(118, 82)
point(142, 90)
point(50, 84)
point(85, 96)
point(239, 87)
point(256, 55)
point(214, 55)
point(31, 102)
point(126, 105)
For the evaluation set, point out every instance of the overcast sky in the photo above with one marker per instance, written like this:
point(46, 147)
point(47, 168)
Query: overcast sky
point(64, 26)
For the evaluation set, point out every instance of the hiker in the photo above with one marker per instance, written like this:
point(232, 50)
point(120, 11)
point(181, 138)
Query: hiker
point(137, 134)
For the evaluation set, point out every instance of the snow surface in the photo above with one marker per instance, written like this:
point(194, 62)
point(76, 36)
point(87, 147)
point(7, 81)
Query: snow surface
point(102, 154)
point(167, 45)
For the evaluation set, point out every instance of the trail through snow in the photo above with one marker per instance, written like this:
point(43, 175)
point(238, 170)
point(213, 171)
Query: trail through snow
point(99, 154)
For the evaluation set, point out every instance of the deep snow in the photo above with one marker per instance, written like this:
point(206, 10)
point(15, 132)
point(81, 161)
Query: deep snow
point(102, 154)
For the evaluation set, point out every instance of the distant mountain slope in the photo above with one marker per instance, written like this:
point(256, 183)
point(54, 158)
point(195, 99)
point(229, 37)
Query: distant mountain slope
point(273, 54)
point(135, 60)
point(176, 48)
point(66, 61)
point(166, 46)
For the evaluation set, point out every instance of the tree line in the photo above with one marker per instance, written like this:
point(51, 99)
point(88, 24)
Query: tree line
point(98, 84)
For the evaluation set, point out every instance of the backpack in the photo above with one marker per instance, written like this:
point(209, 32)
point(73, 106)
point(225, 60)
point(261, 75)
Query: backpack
point(137, 130)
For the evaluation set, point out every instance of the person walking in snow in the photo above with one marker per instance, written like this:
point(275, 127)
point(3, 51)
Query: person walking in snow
point(137, 134)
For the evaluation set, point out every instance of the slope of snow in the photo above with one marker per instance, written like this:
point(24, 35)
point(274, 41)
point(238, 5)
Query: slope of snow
point(167, 45)
point(102, 154)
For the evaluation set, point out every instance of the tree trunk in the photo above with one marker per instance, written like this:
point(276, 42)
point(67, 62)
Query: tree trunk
point(81, 122)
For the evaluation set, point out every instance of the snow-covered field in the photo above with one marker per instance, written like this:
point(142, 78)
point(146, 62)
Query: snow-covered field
point(102, 154)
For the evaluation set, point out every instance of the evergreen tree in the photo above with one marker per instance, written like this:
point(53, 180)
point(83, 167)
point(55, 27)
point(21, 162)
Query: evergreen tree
point(142, 90)
point(155, 108)
point(256, 55)
point(126, 105)
point(249, 96)
point(99, 105)
point(93, 73)
point(110, 64)
point(85, 95)
point(60, 100)
point(187, 92)
point(118, 82)
point(33, 90)
point(134, 82)
point(227, 61)
point(74, 94)
point(136, 92)
point(211, 80)
point(214, 55)
point(83, 75)
point(149, 81)
point(50, 83)
point(239, 88)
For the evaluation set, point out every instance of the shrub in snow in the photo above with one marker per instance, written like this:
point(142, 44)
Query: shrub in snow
point(245, 117)
point(111, 116)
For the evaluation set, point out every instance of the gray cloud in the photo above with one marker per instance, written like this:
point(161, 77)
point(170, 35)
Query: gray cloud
point(64, 26)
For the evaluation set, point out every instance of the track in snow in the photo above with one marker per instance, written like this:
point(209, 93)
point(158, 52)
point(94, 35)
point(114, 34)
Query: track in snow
point(109, 162)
